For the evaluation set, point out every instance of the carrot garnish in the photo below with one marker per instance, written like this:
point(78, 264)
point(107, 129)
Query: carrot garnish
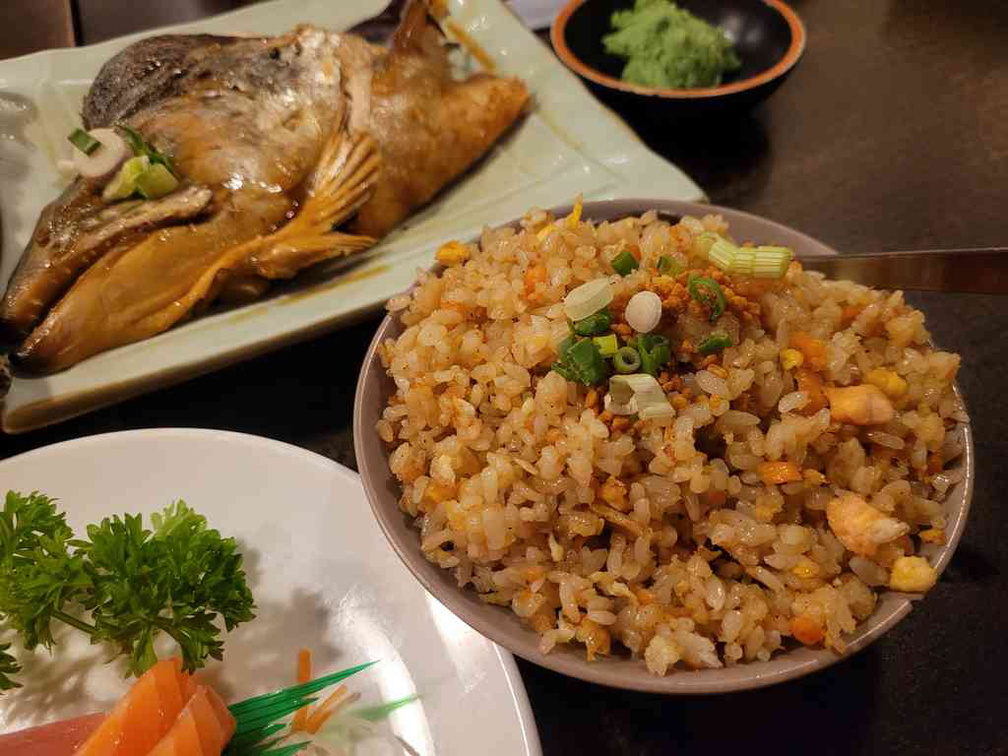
point(304, 675)
point(336, 700)
point(775, 473)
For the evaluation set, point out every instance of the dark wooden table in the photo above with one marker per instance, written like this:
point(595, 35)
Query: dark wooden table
point(892, 133)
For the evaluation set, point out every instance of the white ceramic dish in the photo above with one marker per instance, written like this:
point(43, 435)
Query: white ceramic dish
point(568, 144)
point(322, 575)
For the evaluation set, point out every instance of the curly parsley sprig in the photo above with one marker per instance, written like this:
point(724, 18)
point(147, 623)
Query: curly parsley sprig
point(124, 584)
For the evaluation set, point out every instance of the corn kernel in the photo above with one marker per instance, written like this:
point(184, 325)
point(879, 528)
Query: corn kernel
point(912, 574)
point(452, 253)
point(644, 596)
point(791, 358)
point(812, 349)
point(543, 232)
point(438, 492)
point(933, 535)
point(571, 220)
point(805, 568)
point(889, 381)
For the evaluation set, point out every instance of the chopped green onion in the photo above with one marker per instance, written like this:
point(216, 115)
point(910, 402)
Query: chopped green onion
point(761, 262)
point(771, 262)
point(707, 292)
point(588, 298)
point(565, 345)
point(156, 182)
point(124, 183)
point(742, 265)
point(669, 266)
point(703, 243)
point(614, 407)
point(564, 370)
point(625, 387)
point(608, 345)
point(626, 360)
point(83, 141)
point(141, 146)
point(621, 388)
point(714, 343)
point(582, 363)
point(639, 394)
point(656, 410)
point(594, 324)
point(625, 263)
point(722, 253)
point(655, 352)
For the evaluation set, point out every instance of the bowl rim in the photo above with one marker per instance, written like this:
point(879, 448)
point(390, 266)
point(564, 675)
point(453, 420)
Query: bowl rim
point(892, 606)
point(780, 68)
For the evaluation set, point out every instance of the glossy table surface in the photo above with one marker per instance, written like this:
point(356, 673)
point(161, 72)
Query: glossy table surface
point(891, 134)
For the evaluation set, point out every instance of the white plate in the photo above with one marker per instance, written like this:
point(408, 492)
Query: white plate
point(568, 144)
point(537, 14)
point(322, 575)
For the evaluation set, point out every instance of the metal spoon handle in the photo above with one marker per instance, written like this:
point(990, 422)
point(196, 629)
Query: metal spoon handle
point(974, 271)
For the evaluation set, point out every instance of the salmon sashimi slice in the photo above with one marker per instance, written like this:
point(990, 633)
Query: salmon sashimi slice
point(105, 740)
point(185, 735)
point(56, 739)
point(141, 727)
point(165, 747)
point(224, 715)
point(211, 733)
point(202, 729)
point(187, 684)
point(142, 717)
point(168, 678)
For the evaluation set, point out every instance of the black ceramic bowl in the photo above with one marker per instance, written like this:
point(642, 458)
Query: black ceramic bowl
point(769, 39)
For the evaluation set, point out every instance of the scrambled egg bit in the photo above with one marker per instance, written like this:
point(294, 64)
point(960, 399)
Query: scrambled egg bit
point(912, 574)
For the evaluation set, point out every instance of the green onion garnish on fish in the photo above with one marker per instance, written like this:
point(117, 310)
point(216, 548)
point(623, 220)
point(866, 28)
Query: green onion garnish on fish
point(83, 141)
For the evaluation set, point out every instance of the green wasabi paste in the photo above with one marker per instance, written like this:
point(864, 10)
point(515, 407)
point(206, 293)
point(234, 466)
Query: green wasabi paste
point(668, 47)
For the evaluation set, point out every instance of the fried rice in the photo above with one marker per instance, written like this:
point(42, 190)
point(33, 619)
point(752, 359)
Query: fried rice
point(800, 473)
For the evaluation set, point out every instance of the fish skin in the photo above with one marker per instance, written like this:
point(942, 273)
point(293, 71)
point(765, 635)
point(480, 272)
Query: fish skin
point(148, 71)
point(73, 233)
point(248, 119)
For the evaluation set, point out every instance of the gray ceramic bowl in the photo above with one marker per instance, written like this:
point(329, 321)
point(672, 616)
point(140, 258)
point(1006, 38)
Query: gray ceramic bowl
point(500, 625)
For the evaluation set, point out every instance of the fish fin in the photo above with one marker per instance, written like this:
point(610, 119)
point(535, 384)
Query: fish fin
point(343, 181)
point(243, 289)
point(286, 259)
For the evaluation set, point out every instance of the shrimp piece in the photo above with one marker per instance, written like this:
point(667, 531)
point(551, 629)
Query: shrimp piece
point(861, 405)
point(859, 526)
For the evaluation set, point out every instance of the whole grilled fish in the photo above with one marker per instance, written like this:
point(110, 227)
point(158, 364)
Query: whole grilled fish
point(292, 150)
